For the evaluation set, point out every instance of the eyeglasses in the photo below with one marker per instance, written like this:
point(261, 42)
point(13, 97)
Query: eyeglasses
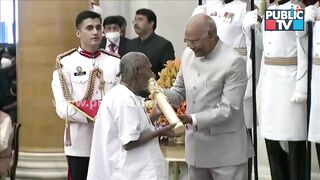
point(194, 42)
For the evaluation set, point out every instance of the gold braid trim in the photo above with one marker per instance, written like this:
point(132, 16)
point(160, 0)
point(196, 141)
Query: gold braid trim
point(96, 73)
point(63, 83)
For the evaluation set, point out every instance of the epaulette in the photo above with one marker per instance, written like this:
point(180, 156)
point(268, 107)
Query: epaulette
point(60, 56)
point(110, 53)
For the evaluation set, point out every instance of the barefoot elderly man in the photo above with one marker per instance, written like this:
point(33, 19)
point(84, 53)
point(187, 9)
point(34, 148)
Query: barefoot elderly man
point(125, 144)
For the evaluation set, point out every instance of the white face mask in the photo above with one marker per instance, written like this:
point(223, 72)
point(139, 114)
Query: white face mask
point(113, 36)
point(5, 62)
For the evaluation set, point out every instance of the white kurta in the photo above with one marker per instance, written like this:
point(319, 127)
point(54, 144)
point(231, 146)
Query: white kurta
point(228, 18)
point(281, 119)
point(76, 70)
point(314, 126)
point(121, 119)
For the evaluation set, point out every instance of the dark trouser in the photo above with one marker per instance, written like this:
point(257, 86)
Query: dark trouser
point(287, 166)
point(318, 153)
point(77, 167)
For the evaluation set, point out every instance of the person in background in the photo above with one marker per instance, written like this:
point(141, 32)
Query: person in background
point(123, 27)
point(8, 83)
point(158, 49)
point(112, 41)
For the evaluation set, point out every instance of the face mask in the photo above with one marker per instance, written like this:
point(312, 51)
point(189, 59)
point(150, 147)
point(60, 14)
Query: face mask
point(113, 36)
point(5, 62)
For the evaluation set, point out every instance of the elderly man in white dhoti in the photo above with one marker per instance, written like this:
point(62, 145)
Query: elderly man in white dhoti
point(125, 144)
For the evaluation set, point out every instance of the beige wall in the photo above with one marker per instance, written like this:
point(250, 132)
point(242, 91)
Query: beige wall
point(45, 28)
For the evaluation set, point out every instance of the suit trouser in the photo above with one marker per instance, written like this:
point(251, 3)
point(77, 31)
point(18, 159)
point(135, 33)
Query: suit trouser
point(236, 172)
point(77, 167)
point(287, 166)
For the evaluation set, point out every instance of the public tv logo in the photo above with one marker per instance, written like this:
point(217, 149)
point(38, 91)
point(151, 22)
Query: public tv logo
point(285, 19)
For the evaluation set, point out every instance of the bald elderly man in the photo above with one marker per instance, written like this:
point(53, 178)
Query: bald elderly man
point(125, 144)
point(212, 79)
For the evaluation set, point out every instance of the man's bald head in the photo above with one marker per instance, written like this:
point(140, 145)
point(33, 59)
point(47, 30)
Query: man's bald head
point(202, 23)
point(201, 34)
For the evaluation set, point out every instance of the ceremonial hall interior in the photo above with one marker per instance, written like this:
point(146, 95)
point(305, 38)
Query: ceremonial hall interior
point(36, 35)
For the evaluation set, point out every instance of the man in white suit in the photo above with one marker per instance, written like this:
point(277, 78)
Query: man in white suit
point(212, 79)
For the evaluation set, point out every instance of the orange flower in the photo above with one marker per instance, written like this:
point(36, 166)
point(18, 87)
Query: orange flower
point(167, 77)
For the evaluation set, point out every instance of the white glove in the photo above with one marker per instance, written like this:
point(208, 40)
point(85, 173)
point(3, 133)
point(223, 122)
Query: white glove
point(96, 9)
point(310, 13)
point(250, 19)
point(299, 97)
point(5, 62)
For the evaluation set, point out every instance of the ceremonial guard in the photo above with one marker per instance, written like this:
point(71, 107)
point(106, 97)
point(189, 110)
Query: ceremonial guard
point(313, 14)
point(81, 78)
point(282, 95)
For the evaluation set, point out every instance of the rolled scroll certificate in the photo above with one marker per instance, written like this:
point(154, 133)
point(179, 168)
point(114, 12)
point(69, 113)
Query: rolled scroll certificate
point(165, 107)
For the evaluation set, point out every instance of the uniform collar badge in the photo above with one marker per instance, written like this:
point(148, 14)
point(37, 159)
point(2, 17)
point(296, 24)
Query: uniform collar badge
point(88, 54)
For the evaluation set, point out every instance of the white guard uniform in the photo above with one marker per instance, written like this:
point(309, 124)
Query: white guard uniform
point(121, 119)
point(314, 126)
point(228, 18)
point(76, 69)
point(280, 118)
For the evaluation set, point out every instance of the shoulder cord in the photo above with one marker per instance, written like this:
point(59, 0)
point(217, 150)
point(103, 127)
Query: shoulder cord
point(96, 73)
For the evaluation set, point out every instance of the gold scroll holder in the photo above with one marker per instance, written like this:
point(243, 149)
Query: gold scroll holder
point(165, 107)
